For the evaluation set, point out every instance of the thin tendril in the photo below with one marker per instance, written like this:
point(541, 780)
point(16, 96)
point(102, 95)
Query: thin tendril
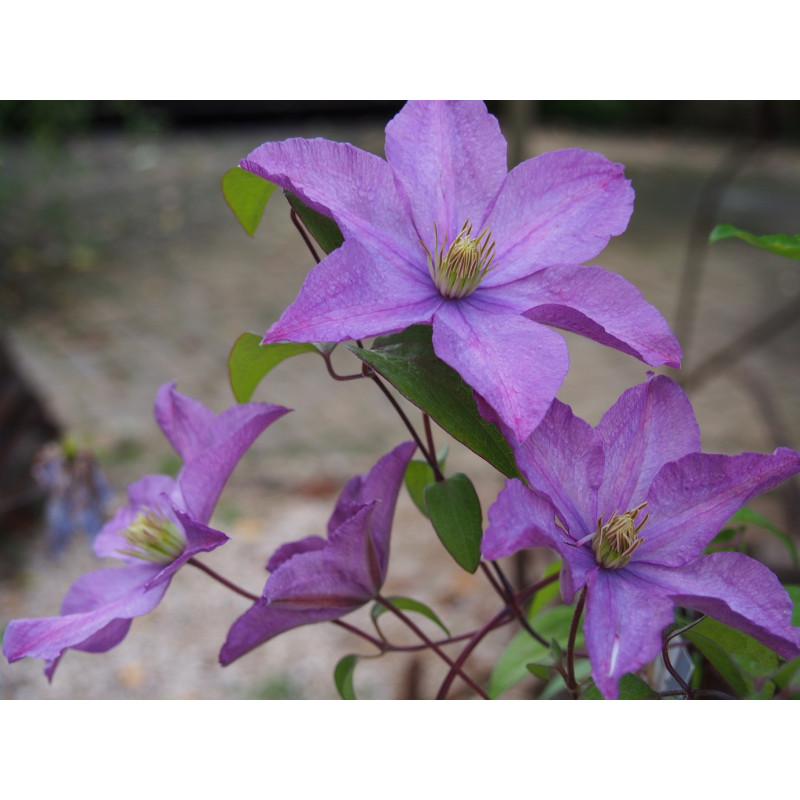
point(224, 581)
point(301, 229)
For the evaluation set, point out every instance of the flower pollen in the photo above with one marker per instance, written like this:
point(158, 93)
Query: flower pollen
point(457, 270)
point(614, 542)
point(152, 537)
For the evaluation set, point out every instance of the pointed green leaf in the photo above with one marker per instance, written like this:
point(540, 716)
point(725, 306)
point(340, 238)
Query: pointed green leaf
point(780, 243)
point(322, 228)
point(343, 677)
point(407, 604)
point(735, 655)
point(455, 511)
point(250, 361)
point(419, 474)
point(794, 592)
point(748, 516)
point(408, 362)
point(545, 595)
point(631, 687)
point(247, 195)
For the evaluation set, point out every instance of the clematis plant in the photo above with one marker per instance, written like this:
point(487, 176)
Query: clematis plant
point(461, 269)
point(162, 527)
point(630, 506)
point(440, 233)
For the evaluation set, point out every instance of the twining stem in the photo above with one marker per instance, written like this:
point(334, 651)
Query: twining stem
point(454, 668)
point(335, 375)
point(507, 593)
point(573, 632)
point(501, 618)
point(426, 421)
point(302, 230)
point(429, 456)
point(224, 581)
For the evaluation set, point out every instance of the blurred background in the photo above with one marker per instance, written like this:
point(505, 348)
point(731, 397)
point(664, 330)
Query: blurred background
point(121, 268)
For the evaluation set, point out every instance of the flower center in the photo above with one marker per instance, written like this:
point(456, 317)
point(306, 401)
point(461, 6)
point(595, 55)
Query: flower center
point(457, 270)
point(614, 542)
point(152, 537)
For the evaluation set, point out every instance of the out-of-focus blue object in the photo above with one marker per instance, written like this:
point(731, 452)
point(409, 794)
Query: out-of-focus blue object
point(77, 493)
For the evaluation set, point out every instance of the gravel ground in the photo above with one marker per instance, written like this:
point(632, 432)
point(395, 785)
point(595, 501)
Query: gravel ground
point(163, 280)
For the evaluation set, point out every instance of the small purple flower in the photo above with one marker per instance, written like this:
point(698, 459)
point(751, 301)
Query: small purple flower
point(629, 506)
point(316, 579)
point(441, 233)
point(161, 528)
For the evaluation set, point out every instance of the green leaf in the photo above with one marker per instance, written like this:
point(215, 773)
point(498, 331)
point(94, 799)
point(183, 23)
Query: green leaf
point(455, 511)
point(794, 593)
point(247, 195)
point(748, 516)
point(408, 362)
point(780, 243)
point(787, 678)
point(322, 228)
point(343, 677)
point(419, 474)
point(631, 687)
point(250, 361)
point(735, 655)
point(523, 649)
point(407, 604)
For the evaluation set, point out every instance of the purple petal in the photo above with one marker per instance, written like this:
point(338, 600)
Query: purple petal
point(519, 518)
point(601, 306)
point(286, 551)
point(736, 590)
point(563, 459)
point(692, 498)
point(350, 295)
point(516, 365)
point(314, 586)
point(356, 188)
point(90, 607)
point(557, 208)
point(186, 422)
point(450, 158)
point(649, 425)
point(624, 620)
point(203, 477)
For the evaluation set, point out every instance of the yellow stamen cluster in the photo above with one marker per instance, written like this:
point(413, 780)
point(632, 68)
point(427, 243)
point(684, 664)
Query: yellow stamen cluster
point(457, 270)
point(614, 542)
point(152, 537)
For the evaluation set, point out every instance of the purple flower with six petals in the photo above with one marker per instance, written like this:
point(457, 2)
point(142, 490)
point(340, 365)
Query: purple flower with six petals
point(441, 233)
point(316, 579)
point(161, 528)
point(629, 506)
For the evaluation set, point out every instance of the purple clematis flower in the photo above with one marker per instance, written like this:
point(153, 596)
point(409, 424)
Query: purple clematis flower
point(161, 528)
point(441, 233)
point(629, 506)
point(316, 579)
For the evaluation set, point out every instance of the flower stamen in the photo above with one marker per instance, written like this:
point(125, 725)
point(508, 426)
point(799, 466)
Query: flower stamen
point(457, 270)
point(154, 538)
point(615, 541)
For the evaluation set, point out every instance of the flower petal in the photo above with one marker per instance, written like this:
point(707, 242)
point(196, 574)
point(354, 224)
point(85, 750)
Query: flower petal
point(286, 551)
point(736, 590)
point(203, 477)
point(560, 207)
point(356, 188)
point(625, 616)
point(599, 305)
point(692, 498)
point(516, 365)
point(89, 611)
point(518, 518)
point(649, 425)
point(563, 459)
point(350, 295)
point(186, 422)
point(450, 158)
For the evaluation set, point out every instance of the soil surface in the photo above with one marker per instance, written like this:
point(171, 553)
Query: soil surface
point(153, 279)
